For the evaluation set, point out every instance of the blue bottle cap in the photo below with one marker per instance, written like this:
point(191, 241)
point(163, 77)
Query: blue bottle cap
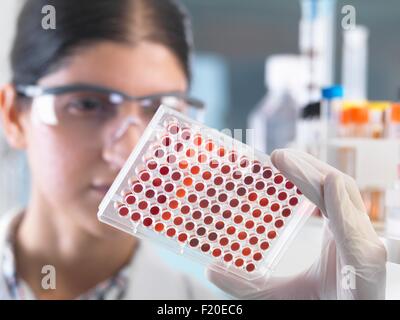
point(332, 92)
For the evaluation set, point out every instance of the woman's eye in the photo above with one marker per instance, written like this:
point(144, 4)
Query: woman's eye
point(86, 106)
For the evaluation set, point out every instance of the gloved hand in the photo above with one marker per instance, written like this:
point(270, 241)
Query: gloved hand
point(349, 240)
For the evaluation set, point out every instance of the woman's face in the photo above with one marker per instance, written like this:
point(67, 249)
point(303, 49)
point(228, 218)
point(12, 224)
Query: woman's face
point(71, 175)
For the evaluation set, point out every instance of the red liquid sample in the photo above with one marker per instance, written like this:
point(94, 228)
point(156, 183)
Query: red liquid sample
point(234, 203)
point(204, 203)
point(159, 227)
point(147, 222)
point(215, 208)
point(196, 215)
point(275, 207)
point(137, 187)
point(238, 219)
point(143, 205)
point(219, 225)
point(136, 216)
point(176, 175)
point(209, 146)
point(208, 220)
point(171, 232)
point(173, 128)
point(154, 210)
point(231, 230)
point(267, 173)
point(166, 215)
point(164, 170)
point(227, 214)
point(248, 180)
point(205, 247)
point(239, 262)
point(282, 195)
point(286, 212)
point(192, 198)
point(130, 199)
point(185, 209)
point(216, 252)
point(256, 213)
point(223, 241)
point(150, 193)
point(166, 141)
point(199, 186)
point(182, 237)
point(271, 234)
point(253, 240)
point(218, 180)
point(293, 201)
point(246, 251)
point(161, 199)
point(242, 235)
point(235, 246)
point(264, 202)
point(186, 134)
point(206, 175)
point(278, 179)
point(252, 196)
point(194, 242)
point(249, 224)
point(260, 229)
point(228, 257)
point(201, 231)
point(189, 226)
point(245, 207)
point(212, 236)
point(157, 182)
point(178, 221)
point(267, 218)
point(169, 187)
point(123, 211)
point(279, 223)
point(222, 197)
point(151, 165)
point(250, 267)
point(144, 176)
point(183, 164)
point(195, 169)
point(197, 141)
point(173, 204)
point(257, 256)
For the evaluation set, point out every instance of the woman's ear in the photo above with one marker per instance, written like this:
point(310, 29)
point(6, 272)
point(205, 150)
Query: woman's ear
point(11, 117)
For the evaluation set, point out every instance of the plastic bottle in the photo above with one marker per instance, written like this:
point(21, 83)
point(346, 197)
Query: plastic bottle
point(331, 105)
point(393, 122)
point(274, 118)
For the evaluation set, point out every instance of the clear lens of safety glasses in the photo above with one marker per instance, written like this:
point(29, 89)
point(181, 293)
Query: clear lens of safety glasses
point(148, 108)
point(85, 112)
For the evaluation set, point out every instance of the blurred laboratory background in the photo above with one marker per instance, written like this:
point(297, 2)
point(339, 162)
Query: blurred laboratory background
point(318, 75)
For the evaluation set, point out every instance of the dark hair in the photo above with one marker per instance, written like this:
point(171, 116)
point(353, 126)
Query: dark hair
point(37, 52)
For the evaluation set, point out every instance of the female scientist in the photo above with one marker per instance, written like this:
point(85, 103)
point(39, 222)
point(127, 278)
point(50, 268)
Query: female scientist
point(61, 108)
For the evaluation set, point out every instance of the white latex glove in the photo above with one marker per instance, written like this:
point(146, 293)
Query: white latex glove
point(349, 240)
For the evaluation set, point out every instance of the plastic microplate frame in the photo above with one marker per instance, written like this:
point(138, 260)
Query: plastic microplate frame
point(207, 196)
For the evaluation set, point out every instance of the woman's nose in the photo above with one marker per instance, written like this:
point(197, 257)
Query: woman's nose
point(120, 141)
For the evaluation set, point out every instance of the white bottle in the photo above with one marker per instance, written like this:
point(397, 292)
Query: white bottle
point(273, 120)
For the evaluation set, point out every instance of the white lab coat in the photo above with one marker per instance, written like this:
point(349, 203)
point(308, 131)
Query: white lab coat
point(150, 277)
